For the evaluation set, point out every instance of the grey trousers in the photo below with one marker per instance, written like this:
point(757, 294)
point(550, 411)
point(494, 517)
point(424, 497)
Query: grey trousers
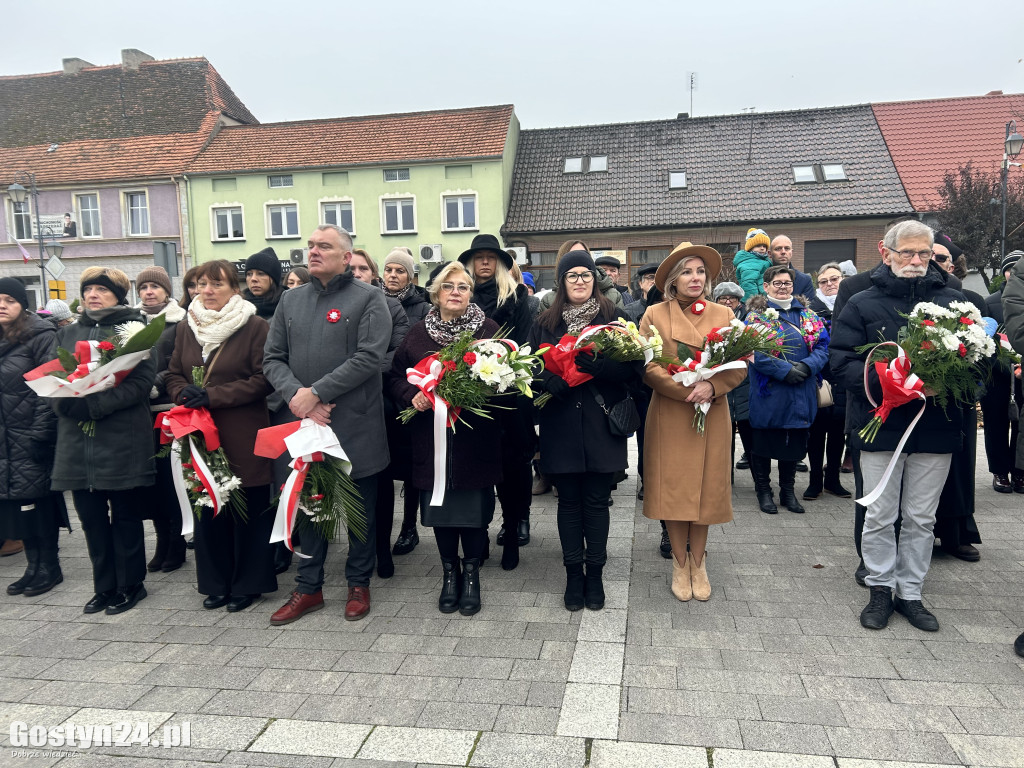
point(362, 555)
point(913, 490)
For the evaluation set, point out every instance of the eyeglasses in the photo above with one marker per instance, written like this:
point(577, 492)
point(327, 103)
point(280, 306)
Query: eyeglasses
point(460, 288)
point(908, 255)
point(829, 280)
point(579, 277)
point(782, 284)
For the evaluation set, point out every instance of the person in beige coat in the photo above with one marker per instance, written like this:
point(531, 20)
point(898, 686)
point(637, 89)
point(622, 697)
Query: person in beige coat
point(686, 475)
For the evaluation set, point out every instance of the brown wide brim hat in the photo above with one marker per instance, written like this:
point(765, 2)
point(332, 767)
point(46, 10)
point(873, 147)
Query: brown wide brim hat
point(712, 262)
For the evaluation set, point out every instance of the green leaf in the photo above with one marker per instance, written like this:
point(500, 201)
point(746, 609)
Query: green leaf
point(146, 338)
point(67, 360)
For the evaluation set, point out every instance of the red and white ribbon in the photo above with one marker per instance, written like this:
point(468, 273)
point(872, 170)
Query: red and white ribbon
point(696, 370)
point(174, 425)
point(426, 381)
point(307, 442)
point(896, 378)
point(80, 383)
point(88, 355)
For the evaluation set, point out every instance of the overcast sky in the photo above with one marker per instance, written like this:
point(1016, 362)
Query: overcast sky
point(560, 63)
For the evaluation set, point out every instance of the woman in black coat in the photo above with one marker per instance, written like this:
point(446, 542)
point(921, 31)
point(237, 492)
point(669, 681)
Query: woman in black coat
point(109, 470)
point(472, 448)
point(827, 437)
point(505, 301)
point(28, 430)
point(578, 451)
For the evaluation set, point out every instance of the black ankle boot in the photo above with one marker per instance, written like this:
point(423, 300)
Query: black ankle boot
point(160, 554)
point(815, 486)
point(48, 575)
point(448, 602)
point(510, 554)
point(32, 555)
point(593, 587)
point(787, 484)
point(760, 469)
point(574, 587)
point(469, 600)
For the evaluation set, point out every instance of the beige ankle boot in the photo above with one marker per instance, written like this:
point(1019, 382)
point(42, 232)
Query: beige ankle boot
point(699, 579)
point(681, 579)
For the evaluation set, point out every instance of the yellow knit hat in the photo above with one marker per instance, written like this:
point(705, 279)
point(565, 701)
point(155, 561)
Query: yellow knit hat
point(756, 237)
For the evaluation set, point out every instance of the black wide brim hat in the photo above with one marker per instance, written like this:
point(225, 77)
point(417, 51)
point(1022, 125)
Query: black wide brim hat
point(486, 243)
point(712, 262)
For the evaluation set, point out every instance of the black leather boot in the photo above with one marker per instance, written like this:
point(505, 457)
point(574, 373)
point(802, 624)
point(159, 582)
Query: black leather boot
point(448, 602)
point(48, 574)
point(787, 484)
point(574, 587)
point(32, 555)
point(162, 540)
point(469, 600)
point(760, 469)
point(593, 587)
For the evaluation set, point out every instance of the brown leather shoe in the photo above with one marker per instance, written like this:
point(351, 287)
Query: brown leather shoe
point(11, 547)
point(358, 604)
point(298, 605)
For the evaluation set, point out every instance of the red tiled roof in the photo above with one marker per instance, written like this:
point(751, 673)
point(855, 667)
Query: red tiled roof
point(111, 102)
point(95, 160)
point(928, 138)
point(411, 136)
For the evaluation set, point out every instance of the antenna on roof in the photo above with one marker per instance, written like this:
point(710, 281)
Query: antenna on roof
point(692, 79)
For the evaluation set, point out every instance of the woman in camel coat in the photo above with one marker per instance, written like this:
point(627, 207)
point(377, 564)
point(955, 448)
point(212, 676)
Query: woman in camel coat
point(686, 475)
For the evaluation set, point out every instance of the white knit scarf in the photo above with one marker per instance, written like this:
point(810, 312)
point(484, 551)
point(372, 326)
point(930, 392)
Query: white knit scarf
point(828, 301)
point(213, 327)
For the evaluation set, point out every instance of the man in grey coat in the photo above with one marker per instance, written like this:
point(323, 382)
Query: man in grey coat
point(323, 356)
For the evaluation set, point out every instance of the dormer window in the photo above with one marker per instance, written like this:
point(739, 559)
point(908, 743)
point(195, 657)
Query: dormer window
point(586, 164)
point(814, 173)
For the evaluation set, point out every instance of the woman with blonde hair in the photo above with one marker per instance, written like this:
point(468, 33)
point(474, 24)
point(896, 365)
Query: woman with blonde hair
point(693, 500)
point(473, 467)
point(108, 468)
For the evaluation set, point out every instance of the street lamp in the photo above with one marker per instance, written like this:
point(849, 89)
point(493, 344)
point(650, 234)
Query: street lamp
point(19, 194)
point(1011, 148)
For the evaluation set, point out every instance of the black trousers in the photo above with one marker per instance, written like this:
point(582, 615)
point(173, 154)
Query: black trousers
point(474, 542)
point(515, 491)
point(1000, 432)
point(583, 518)
point(825, 442)
point(235, 557)
point(112, 523)
point(362, 555)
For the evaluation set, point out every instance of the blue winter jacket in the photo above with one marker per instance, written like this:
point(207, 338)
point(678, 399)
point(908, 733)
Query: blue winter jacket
point(774, 404)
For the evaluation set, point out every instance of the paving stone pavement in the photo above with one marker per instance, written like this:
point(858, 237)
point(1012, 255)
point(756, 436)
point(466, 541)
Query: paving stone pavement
point(775, 670)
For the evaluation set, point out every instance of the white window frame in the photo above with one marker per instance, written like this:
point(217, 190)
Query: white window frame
point(127, 212)
point(460, 194)
point(805, 167)
point(13, 221)
point(573, 164)
point(325, 201)
point(76, 206)
point(213, 222)
point(281, 204)
point(383, 218)
point(590, 164)
point(842, 172)
point(677, 186)
point(398, 174)
point(272, 176)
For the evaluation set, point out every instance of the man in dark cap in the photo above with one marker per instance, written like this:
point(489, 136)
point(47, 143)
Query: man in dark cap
point(610, 265)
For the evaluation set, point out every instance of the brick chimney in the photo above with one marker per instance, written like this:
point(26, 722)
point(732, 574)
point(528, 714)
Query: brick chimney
point(74, 66)
point(132, 57)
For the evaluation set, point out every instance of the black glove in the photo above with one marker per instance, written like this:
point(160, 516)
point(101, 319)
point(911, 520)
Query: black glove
point(557, 386)
point(601, 367)
point(194, 397)
point(797, 374)
point(76, 408)
point(41, 451)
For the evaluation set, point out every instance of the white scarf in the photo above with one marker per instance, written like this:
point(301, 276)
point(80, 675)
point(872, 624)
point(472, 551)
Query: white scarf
point(782, 303)
point(828, 301)
point(213, 327)
point(172, 313)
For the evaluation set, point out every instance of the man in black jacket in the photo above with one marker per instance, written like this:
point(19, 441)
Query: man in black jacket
point(903, 280)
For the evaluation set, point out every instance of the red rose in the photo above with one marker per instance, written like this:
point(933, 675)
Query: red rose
point(966, 321)
point(469, 358)
point(928, 323)
point(962, 351)
point(926, 345)
point(106, 346)
point(317, 497)
point(714, 337)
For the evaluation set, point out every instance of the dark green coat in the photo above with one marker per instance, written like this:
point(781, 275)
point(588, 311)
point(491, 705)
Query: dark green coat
point(120, 454)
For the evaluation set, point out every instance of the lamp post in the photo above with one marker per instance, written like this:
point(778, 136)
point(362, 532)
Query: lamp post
point(19, 194)
point(1011, 148)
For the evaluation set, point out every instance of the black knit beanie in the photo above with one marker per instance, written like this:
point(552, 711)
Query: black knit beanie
point(15, 289)
point(106, 282)
point(266, 261)
point(575, 259)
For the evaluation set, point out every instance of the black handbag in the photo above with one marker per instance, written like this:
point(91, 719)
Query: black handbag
point(623, 417)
